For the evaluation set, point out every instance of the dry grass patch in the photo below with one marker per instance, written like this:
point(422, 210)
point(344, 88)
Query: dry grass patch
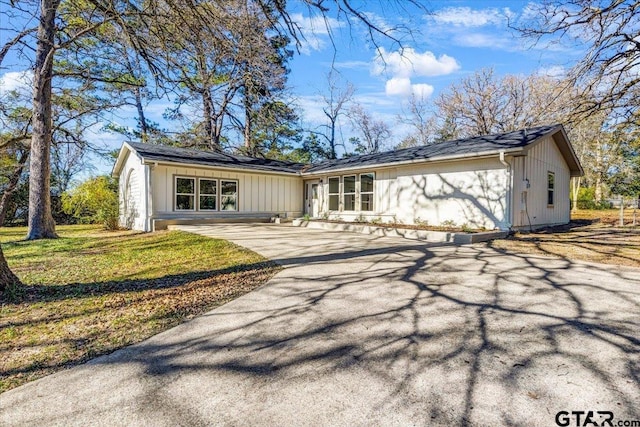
point(92, 292)
point(593, 237)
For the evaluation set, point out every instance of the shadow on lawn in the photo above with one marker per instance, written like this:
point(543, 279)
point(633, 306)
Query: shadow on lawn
point(48, 293)
point(593, 242)
point(463, 335)
point(79, 327)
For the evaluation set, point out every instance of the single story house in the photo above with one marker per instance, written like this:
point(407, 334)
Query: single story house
point(504, 181)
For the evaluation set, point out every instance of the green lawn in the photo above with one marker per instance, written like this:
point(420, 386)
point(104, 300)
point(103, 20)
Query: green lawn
point(91, 292)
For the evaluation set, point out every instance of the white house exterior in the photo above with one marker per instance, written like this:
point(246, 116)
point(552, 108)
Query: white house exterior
point(511, 180)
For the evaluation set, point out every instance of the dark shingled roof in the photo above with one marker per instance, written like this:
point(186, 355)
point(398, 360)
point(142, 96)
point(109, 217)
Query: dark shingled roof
point(165, 153)
point(469, 147)
point(459, 148)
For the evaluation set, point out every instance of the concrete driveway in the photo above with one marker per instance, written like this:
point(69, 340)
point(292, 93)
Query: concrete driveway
point(361, 330)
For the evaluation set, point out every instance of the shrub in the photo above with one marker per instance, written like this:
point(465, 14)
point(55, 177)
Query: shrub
point(94, 201)
point(449, 223)
point(587, 199)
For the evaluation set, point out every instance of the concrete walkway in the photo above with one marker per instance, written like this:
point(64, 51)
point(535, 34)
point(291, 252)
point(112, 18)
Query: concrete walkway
point(363, 330)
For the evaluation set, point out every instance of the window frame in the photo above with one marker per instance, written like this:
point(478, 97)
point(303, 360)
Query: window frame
point(551, 189)
point(215, 195)
point(176, 194)
point(354, 194)
point(372, 192)
point(236, 195)
point(333, 194)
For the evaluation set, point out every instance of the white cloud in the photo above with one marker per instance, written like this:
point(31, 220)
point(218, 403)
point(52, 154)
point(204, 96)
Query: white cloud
point(351, 65)
point(315, 30)
point(481, 40)
point(467, 17)
point(422, 90)
point(403, 65)
point(379, 22)
point(407, 63)
point(552, 71)
point(402, 86)
point(22, 81)
point(398, 86)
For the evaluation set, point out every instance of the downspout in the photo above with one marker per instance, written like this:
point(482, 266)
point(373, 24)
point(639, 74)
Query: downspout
point(509, 208)
point(148, 181)
point(147, 198)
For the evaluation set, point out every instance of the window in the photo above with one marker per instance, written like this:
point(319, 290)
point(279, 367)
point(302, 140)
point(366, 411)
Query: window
point(208, 194)
point(334, 194)
point(551, 182)
point(228, 195)
point(185, 194)
point(349, 193)
point(366, 192)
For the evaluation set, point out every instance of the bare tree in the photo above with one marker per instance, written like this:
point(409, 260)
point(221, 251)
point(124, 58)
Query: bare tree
point(598, 148)
point(606, 76)
point(21, 157)
point(373, 134)
point(419, 117)
point(139, 25)
point(335, 99)
point(483, 104)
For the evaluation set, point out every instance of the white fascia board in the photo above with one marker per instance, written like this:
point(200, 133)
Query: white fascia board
point(122, 157)
point(200, 166)
point(467, 156)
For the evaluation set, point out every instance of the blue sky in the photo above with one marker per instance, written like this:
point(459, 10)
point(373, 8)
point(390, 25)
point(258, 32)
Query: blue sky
point(450, 40)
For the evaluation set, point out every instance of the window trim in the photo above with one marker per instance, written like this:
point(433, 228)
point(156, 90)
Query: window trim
point(236, 182)
point(216, 197)
point(333, 194)
point(196, 195)
point(176, 194)
point(551, 189)
point(372, 192)
point(355, 193)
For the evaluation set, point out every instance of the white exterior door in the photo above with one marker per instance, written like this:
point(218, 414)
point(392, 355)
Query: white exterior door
point(312, 198)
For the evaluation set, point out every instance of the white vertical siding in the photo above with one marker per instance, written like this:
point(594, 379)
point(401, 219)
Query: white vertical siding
point(257, 193)
point(542, 158)
point(131, 194)
point(472, 192)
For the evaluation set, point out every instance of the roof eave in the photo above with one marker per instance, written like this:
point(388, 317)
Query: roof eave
point(466, 156)
point(204, 166)
point(122, 155)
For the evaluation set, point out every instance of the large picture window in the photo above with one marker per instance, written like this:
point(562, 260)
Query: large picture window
point(185, 194)
point(349, 193)
point(205, 194)
point(551, 184)
point(208, 194)
point(366, 192)
point(228, 195)
point(334, 194)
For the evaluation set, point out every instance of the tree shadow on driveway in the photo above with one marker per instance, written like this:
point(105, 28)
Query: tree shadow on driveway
point(375, 334)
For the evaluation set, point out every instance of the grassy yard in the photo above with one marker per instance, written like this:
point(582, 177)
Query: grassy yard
point(91, 292)
point(593, 236)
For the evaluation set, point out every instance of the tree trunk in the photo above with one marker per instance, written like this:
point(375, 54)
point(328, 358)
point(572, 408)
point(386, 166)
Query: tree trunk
point(144, 130)
point(332, 141)
point(7, 278)
point(599, 167)
point(11, 186)
point(41, 224)
point(598, 188)
point(209, 124)
point(575, 184)
point(247, 130)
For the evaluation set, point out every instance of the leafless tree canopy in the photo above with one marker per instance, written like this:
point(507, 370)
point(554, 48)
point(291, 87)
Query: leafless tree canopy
point(607, 75)
point(483, 103)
